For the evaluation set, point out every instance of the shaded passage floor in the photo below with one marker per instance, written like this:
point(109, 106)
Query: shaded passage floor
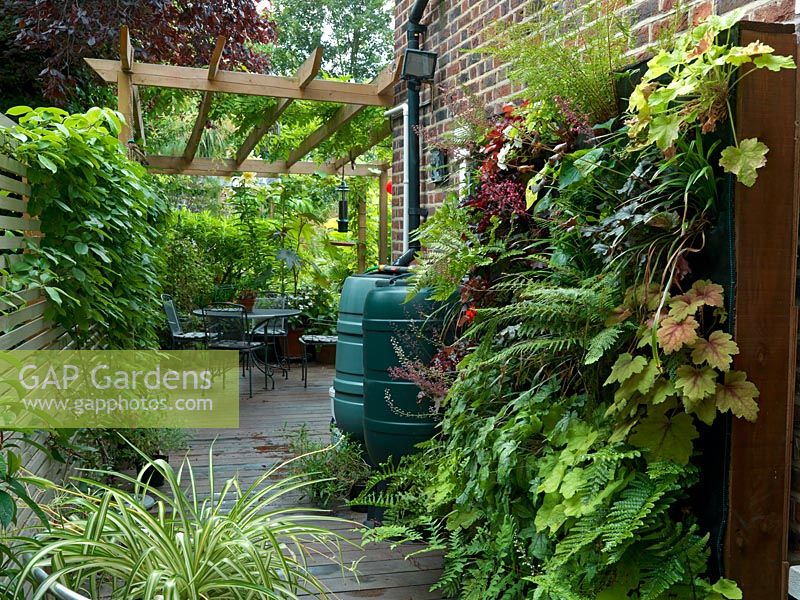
point(266, 420)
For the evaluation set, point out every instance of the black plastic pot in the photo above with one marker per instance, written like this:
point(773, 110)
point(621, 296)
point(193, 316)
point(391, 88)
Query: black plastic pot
point(152, 476)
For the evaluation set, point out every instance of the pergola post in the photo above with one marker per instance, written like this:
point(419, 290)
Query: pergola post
point(383, 217)
point(361, 248)
point(124, 85)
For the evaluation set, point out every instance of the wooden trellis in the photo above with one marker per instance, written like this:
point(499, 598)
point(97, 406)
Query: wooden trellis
point(129, 75)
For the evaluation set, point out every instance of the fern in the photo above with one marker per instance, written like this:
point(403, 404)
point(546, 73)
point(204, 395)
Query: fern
point(602, 343)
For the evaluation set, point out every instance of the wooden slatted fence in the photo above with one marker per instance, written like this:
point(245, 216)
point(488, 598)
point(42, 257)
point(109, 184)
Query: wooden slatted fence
point(23, 325)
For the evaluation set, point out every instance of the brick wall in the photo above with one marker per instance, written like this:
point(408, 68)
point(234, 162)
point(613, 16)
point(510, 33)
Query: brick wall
point(457, 25)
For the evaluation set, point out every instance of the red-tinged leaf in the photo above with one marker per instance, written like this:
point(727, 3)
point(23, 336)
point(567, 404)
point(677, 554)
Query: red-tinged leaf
point(705, 292)
point(674, 334)
point(738, 396)
point(695, 384)
point(718, 350)
point(683, 306)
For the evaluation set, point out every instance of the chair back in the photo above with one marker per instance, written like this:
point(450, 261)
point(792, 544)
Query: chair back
point(226, 322)
point(172, 315)
point(273, 301)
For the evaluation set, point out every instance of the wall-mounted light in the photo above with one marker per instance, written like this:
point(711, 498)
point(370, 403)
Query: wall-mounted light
point(419, 65)
point(341, 193)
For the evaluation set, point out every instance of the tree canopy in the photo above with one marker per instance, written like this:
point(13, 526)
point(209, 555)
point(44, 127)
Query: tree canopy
point(171, 31)
point(355, 35)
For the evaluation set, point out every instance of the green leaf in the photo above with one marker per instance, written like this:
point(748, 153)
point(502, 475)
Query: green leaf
point(8, 509)
point(81, 248)
point(695, 384)
point(727, 589)
point(738, 395)
point(666, 437)
point(664, 130)
point(774, 63)
point(718, 350)
point(661, 390)
point(47, 163)
point(16, 111)
point(625, 367)
point(745, 160)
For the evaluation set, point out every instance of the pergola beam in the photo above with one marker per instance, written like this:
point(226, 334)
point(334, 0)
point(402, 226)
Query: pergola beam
point(340, 118)
point(175, 165)
point(205, 104)
point(377, 136)
point(305, 75)
point(238, 82)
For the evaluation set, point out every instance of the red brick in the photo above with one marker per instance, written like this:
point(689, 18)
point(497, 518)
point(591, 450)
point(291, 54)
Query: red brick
point(702, 12)
point(775, 12)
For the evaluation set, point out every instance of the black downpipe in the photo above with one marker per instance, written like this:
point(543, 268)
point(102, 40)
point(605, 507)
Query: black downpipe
point(414, 31)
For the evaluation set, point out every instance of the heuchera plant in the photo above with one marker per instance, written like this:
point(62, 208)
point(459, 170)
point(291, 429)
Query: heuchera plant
point(691, 85)
point(675, 371)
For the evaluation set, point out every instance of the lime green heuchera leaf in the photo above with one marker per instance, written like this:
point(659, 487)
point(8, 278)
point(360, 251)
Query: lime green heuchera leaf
point(745, 160)
point(666, 437)
point(717, 350)
point(738, 395)
point(705, 409)
point(739, 55)
point(625, 367)
point(774, 63)
point(725, 588)
point(673, 334)
point(696, 384)
point(664, 130)
point(662, 389)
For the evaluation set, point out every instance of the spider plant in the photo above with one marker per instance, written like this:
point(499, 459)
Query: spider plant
point(227, 543)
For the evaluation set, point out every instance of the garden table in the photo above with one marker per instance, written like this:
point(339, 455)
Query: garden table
point(256, 317)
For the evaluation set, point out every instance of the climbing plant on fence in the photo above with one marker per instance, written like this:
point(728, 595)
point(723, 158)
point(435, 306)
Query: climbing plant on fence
point(97, 259)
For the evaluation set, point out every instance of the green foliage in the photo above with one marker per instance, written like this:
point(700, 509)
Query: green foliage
point(356, 36)
point(98, 258)
point(19, 488)
point(691, 84)
point(338, 470)
point(224, 541)
point(579, 67)
point(112, 449)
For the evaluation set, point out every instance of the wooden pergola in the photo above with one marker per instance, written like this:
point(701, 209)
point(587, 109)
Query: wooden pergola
point(129, 75)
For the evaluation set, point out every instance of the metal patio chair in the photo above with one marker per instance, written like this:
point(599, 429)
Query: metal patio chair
point(180, 338)
point(228, 328)
point(275, 331)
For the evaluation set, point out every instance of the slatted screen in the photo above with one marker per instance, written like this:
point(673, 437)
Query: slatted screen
point(22, 321)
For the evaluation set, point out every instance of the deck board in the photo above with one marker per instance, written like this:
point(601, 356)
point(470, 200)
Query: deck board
point(266, 422)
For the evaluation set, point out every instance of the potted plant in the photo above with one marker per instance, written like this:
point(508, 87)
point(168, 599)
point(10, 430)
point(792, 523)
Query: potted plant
point(204, 543)
point(115, 450)
point(247, 298)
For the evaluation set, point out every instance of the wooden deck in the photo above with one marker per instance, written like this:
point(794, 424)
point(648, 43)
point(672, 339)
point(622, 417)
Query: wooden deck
point(261, 441)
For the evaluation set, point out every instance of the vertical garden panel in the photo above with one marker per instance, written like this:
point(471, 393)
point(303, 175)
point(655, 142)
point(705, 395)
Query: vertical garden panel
point(766, 218)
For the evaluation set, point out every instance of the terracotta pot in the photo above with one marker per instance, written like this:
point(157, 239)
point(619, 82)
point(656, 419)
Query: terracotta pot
point(326, 355)
point(247, 302)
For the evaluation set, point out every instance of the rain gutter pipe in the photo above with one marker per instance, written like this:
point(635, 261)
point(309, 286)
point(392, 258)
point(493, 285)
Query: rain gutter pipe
point(411, 166)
